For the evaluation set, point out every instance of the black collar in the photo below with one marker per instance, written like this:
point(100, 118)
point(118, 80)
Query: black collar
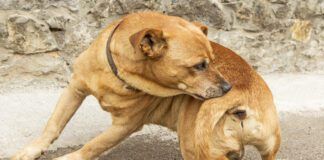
point(109, 55)
point(110, 59)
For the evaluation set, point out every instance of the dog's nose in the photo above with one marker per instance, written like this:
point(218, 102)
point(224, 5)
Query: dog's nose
point(226, 87)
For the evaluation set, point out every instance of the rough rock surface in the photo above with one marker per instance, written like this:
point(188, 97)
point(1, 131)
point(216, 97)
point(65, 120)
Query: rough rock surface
point(22, 69)
point(273, 35)
point(28, 35)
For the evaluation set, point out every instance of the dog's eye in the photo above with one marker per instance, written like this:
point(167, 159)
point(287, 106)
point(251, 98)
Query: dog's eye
point(201, 66)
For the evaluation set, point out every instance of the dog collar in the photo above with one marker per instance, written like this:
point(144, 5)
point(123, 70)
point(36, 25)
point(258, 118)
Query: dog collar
point(110, 59)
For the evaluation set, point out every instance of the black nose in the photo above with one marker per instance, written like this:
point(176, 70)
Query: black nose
point(226, 87)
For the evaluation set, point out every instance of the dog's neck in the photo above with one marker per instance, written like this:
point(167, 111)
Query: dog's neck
point(110, 59)
point(135, 81)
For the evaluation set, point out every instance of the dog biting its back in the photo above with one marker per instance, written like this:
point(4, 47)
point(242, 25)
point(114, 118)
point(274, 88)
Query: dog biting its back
point(246, 115)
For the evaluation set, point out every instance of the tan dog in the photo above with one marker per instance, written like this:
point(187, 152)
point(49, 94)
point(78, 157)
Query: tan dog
point(132, 108)
point(150, 56)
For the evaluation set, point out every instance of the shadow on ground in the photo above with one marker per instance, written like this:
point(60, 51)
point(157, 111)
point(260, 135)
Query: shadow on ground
point(139, 147)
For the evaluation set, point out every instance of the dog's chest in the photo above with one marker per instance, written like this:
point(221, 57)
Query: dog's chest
point(111, 102)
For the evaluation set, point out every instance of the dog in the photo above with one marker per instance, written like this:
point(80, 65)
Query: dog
point(136, 92)
point(131, 66)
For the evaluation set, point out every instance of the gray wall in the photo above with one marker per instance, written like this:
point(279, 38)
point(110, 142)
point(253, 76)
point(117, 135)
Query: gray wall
point(40, 38)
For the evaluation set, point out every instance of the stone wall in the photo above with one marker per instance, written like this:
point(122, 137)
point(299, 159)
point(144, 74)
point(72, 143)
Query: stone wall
point(40, 38)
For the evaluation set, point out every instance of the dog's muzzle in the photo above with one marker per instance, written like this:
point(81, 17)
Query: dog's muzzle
point(213, 92)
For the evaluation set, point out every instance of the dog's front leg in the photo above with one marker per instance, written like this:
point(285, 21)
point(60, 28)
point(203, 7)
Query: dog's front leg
point(68, 103)
point(106, 140)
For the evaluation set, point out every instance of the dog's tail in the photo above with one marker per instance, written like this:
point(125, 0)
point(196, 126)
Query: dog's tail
point(210, 112)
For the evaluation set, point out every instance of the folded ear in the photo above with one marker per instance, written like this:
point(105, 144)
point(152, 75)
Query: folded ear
point(149, 42)
point(202, 27)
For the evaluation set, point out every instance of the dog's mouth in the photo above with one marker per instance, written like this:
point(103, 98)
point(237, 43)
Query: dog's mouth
point(210, 93)
point(199, 97)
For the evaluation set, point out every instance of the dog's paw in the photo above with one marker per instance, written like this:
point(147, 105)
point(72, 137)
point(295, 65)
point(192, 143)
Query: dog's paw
point(28, 153)
point(71, 156)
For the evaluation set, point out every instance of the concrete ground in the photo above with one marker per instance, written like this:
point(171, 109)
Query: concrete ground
point(24, 112)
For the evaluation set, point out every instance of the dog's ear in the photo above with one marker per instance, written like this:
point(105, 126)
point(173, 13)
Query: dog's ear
point(149, 42)
point(202, 27)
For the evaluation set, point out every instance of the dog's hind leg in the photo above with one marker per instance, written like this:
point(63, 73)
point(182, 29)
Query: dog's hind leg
point(270, 146)
point(68, 103)
point(208, 116)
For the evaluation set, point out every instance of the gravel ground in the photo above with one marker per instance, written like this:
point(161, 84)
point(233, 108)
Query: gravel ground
point(302, 139)
point(24, 112)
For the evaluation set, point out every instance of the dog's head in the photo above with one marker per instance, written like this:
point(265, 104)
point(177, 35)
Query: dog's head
point(178, 56)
